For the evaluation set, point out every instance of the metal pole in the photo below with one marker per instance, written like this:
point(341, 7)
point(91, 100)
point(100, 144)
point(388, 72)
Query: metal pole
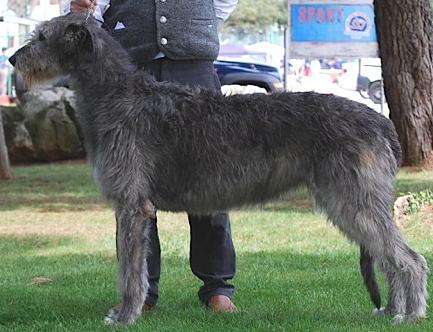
point(286, 58)
point(287, 34)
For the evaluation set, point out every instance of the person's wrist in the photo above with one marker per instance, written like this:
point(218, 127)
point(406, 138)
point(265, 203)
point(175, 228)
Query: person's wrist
point(76, 8)
point(82, 5)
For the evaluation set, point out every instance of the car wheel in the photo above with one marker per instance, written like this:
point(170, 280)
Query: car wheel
point(375, 92)
point(364, 94)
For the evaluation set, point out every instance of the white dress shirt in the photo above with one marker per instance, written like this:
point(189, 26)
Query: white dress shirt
point(223, 8)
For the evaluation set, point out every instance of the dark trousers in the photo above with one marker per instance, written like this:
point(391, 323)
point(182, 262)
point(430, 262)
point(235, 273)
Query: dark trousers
point(212, 255)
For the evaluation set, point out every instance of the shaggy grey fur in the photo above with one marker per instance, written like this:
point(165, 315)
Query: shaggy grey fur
point(197, 151)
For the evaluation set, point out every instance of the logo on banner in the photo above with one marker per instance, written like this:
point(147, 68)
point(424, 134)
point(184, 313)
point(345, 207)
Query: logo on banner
point(358, 25)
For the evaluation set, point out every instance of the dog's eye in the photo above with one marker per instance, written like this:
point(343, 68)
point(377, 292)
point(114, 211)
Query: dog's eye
point(41, 37)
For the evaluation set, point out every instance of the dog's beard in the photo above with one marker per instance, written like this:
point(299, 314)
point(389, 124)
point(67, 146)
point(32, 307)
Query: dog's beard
point(37, 78)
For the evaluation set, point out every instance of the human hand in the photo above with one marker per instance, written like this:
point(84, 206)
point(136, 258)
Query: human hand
point(82, 5)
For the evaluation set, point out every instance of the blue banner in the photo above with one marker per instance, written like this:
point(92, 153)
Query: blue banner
point(332, 23)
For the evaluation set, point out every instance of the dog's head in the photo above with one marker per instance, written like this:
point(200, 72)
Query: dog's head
point(56, 48)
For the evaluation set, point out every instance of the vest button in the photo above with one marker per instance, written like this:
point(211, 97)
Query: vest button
point(163, 19)
point(164, 41)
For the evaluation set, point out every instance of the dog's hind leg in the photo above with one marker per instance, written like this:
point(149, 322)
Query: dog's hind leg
point(412, 270)
point(406, 273)
point(132, 271)
point(359, 203)
point(396, 305)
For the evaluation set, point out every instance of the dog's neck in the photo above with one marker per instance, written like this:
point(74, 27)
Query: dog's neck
point(103, 71)
point(108, 62)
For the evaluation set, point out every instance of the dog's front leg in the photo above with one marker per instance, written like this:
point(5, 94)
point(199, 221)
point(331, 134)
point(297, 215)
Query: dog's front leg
point(132, 270)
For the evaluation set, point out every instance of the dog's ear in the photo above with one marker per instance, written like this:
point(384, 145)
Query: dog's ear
point(77, 36)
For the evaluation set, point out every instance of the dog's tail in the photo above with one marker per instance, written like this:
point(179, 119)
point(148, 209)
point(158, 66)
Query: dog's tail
point(367, 271)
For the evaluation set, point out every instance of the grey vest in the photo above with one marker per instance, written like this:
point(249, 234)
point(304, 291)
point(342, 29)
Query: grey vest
point(181, 29)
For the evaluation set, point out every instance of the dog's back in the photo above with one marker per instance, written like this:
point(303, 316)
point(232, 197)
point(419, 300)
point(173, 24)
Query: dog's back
point(253, 148)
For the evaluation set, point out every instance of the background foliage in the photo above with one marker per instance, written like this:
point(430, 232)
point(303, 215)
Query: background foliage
point(258, 14)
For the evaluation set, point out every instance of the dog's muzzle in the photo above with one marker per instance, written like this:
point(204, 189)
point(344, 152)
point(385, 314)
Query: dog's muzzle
point(13, 60)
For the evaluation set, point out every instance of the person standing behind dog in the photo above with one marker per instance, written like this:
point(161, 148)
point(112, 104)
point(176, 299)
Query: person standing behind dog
point(177, 41)
point(3, 72)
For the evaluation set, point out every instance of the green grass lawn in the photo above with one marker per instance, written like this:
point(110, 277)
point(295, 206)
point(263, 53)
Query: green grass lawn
point(295, 272)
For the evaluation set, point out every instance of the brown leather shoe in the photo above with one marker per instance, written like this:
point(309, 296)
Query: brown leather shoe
point(221, 303)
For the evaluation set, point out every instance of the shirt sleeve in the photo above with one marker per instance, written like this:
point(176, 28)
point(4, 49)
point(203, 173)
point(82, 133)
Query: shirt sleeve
point(101, 6)
point(223, 8)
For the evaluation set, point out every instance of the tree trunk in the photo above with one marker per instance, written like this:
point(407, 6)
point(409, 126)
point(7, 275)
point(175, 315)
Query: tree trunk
point(405, 32)
point(5, 170)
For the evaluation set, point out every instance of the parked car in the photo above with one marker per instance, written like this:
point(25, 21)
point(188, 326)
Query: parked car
point(242, 72)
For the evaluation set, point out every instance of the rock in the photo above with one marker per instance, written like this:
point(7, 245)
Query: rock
point(43, 127)
point(400, 207)
point(18, 140)
point(21, 148)
point(5, 169)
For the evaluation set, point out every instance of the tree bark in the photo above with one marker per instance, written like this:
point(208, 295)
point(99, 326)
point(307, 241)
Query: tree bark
point(5, 170)
point(405, 32)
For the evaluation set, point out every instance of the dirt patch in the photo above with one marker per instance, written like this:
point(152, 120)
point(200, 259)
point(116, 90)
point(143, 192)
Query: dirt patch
point(56, 162)
point(417, 169)
point(25, 223)
point(93, 224)
point(41, 281)
point(426, 214)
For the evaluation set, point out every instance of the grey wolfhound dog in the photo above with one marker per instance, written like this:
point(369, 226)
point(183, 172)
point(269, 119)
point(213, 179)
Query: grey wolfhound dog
point(194, 150)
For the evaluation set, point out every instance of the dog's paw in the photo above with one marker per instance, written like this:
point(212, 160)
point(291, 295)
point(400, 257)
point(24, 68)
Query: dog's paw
point(379, 312)
point(109, 321)
point(398, 319)
point(119, 316)
point(415, 317)
point(112, 316)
